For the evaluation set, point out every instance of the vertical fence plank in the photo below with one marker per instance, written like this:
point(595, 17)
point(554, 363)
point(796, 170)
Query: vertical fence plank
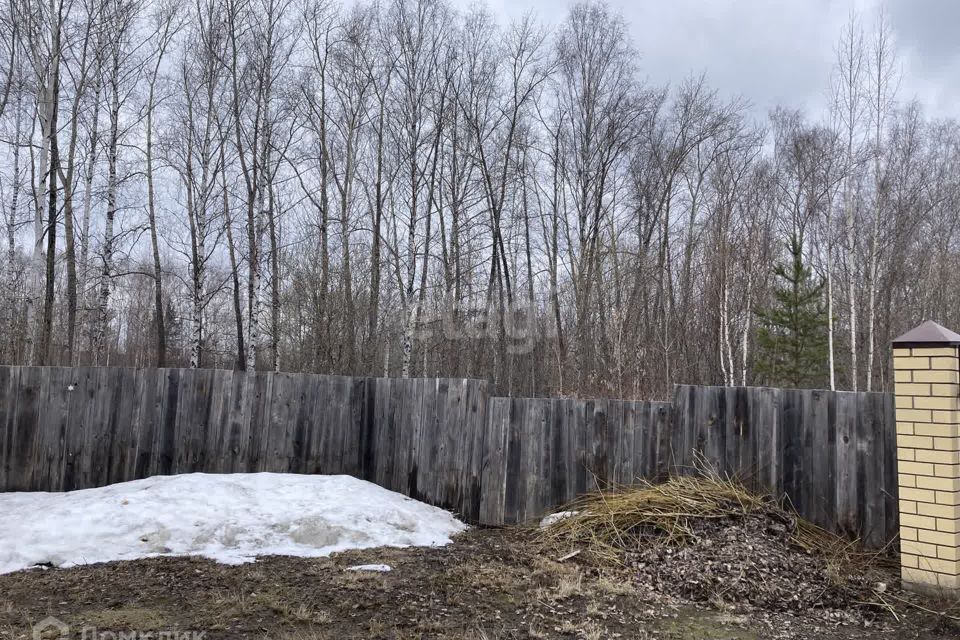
point(344, 422)
point(316, 425)
point(52, 426)
point(872, 437)
point(624, 444)
point(599, 454)
point(120, 442)
point(23, 429)
point(282, 421)
point(818, 458)
point(662, 414)
point(216, 444)
point(494, 468)
point(9, 391)
point(561, 451)
point(146, 419)
point(357, 419)
point(765, 414)
point(476, 442)
point(516, 480)
point(846, 461)
point(614, 437)
point(167, 445)
point(683, 429)
point(421, 437)
point(534, 440)
point(237, 436)
point(384, 417)
point(646, 440)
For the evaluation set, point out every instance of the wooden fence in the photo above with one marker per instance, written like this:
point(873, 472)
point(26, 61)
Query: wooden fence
point(831, 453)
point(445, 441)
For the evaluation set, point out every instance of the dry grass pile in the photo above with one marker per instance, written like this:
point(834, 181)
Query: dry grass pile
point(707, 538)
point(621, 519)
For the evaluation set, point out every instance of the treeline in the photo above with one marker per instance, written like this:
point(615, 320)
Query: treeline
point(401, 188)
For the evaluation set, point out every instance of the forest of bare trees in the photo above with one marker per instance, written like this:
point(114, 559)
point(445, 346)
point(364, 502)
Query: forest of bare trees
point(402, 188)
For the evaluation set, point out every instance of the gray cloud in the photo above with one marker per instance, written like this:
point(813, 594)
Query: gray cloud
point(928, 29)
point(926, 36)
point(780, 52)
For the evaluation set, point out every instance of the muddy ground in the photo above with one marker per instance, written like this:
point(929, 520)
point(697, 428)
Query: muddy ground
point(488, 584)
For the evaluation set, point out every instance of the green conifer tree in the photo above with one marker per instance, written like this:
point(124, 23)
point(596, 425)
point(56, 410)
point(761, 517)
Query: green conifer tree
point(792, 339)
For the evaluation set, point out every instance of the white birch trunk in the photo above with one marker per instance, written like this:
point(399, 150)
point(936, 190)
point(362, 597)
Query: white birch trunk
point(872, 302)
point(196, 327)
point(746, 326)
point(256, 277)
point(833, 377)
point(11, 222)
point(729, 374)
point(407, 343)
point(851, 291)
point(108, 233)
point(253, 321)
point(36, 264)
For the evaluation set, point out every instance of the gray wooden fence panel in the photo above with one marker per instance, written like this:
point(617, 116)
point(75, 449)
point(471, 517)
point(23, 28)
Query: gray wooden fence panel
point(832, 455)
point(446, 441)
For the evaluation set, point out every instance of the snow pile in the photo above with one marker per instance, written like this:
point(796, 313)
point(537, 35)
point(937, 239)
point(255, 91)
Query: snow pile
point(228, 518)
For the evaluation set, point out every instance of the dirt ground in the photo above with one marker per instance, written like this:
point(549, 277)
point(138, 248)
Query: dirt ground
point(488, 584)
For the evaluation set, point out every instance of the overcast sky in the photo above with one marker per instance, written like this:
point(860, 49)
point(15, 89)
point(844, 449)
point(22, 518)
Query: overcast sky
point(779, 51)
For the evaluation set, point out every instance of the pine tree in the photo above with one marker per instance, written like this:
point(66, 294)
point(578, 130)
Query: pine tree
point(792, 340)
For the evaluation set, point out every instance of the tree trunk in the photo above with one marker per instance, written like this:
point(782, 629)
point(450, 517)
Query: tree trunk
point(108, 234)
point(154, 245)
point(51, 230)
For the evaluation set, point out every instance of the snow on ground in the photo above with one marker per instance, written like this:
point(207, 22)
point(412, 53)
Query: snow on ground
point(231, 518)
point(554, 518)
point(379, 568)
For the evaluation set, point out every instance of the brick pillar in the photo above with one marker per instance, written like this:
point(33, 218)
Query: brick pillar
point(927, 382)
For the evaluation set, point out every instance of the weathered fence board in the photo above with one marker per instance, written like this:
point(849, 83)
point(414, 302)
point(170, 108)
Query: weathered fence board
point(832, 454)
point(446, 441)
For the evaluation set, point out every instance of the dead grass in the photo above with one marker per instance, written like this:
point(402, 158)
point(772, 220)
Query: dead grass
point(608, 522)
point(238, 604)
point(126, 618)
point(299, 634)
point(290, 610)
point(494, 575)
point(613, 585)
point(568, 587)
point(593, 631)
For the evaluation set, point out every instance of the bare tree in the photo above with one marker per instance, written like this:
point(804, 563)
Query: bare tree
point(166, 23)
point(848, 109)
point(121, 69)
point(884, 79)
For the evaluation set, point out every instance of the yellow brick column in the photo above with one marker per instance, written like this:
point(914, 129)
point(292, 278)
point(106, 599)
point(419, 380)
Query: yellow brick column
point(927, 382)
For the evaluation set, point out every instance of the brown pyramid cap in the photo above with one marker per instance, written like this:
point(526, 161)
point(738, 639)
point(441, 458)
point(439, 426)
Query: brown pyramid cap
point(926, 334)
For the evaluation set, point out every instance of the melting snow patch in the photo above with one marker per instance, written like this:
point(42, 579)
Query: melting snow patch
point(554, 518)
point(230, 518)
point(380, 568)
